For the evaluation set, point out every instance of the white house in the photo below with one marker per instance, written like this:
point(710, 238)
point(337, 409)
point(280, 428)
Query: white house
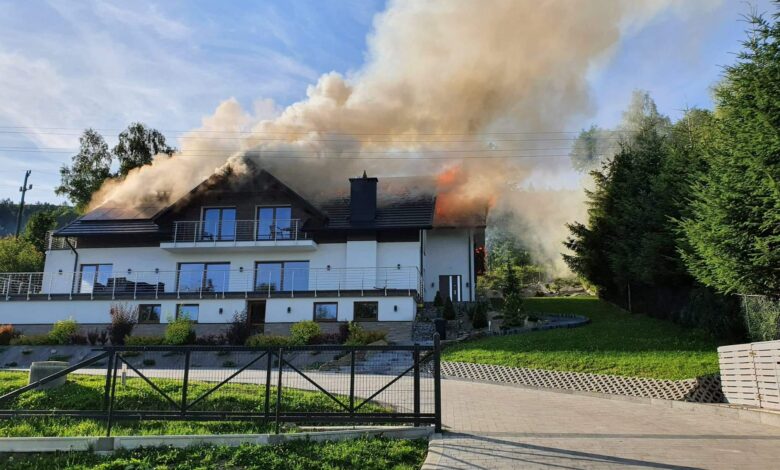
point(254, 244)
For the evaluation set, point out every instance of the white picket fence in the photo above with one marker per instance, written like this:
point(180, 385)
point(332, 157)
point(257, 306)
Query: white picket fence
point(750, 373)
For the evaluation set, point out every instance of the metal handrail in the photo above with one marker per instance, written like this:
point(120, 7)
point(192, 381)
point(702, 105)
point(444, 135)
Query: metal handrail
point(268, 279)
point(257, 230)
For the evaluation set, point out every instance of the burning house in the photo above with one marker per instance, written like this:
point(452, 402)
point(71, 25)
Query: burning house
point(249, 242)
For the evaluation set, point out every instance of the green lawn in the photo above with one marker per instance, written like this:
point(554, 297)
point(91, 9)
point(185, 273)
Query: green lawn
point(85, 392)
point(360, 453)
point(615, 342)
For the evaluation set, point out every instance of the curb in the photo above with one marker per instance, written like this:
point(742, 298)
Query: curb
point(110, 444)
point(753, 415)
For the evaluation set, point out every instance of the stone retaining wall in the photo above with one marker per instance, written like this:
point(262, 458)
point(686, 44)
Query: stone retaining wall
point(701, 390)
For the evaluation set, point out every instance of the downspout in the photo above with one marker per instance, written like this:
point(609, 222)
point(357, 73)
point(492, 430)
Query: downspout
point(75, 263)
point(422, 266)
point(471, 271)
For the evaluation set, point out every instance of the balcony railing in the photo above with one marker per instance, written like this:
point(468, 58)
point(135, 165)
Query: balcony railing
point(266, 280)
point(198, 231)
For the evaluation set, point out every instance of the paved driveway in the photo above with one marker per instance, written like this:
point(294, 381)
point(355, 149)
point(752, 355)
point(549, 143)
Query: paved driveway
point(495, 426)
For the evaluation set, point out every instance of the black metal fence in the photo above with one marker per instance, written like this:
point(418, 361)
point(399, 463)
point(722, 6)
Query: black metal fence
point(316, 385)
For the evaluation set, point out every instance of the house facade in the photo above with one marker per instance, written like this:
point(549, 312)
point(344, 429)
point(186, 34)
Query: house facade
point(250, 244)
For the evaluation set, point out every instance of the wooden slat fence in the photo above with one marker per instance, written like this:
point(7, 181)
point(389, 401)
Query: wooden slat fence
point(750, 373)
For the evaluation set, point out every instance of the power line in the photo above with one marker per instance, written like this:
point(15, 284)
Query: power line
point(79, 130)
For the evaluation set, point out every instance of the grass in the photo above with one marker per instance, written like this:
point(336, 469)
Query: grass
point(85, 392)
point(615, 342)
point(361, 453)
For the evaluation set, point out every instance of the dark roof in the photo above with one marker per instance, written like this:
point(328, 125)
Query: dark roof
point(401, 212)
point(85, 227)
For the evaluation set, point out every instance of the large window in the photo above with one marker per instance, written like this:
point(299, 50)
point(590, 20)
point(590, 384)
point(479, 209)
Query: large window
point(219, 223)
point(188, 311)
point(275, 223)
point(203, 277)
point(326, 311)
point(282, 275)
point(366, 311)
point(95, 278)
point(149, 313)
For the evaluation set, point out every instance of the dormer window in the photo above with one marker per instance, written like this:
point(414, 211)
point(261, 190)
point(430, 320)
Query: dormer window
point(275, 223)
point(218, 223)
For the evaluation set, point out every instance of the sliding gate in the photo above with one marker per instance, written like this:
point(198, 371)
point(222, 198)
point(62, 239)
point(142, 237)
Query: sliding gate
point(315, 385)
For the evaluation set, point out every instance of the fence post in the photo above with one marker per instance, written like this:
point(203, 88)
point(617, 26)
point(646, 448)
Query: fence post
point(268, 385)
point(437, 381)
point(416, 359)
point(107, 392)
point(109, 420)
point(185, 383)
point(352, 385)
point(279, 392)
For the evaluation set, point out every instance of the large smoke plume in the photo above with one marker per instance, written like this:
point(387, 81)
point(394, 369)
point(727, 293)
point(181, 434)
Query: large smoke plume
point(449, 88)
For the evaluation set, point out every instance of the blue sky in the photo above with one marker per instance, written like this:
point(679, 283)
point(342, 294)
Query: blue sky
point(65, 66)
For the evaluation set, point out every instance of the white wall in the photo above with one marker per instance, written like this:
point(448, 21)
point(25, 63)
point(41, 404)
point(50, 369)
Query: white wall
point(448, 252)
point(97, 311)
point(303, 309)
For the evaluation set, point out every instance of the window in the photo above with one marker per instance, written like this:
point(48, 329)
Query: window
point(205, 277)
point(326, 311)
point(149, 313)
point(282, 275)
point(366, 311)
point(275, 223)
point(189, 311)
point(95, 278)
point(219, 223)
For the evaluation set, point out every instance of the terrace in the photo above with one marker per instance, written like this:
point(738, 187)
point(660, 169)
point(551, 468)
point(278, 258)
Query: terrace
point(216, 280)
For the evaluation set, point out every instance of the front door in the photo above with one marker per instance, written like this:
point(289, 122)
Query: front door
point(255, 314)
point(449, 286)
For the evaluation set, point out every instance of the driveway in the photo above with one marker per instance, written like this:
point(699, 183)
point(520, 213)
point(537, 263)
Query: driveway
point(493, 426)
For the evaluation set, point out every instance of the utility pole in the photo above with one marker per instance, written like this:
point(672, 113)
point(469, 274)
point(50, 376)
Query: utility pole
point(23, 189)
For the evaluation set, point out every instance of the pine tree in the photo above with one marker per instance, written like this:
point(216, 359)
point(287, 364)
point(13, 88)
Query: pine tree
point(733, 232)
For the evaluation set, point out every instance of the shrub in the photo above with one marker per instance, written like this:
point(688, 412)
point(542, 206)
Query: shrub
point(479, 317)
point(762, 317)
point(264, 341)
point(302, 332)
point(144, 340)
point(448, 312)
point(327, 338)
point(7, 333)
point(78, 338)
point(437, 302)
point(228, 364)
point(179, 332)
point(62, 331)
point(123, 319)
point(31, 340)
point(343, 332)
point(92, 337)
point(210, 340)
point(238, 332)
point(358, 336)
point(11, 364)
point(149, 362)
point(514, 311)
point(103, 338)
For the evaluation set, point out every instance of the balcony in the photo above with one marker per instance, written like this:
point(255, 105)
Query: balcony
point(262, 282)
point(278, 235)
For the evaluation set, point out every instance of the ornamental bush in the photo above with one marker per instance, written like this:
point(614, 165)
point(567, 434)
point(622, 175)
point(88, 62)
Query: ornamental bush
point(62, 331)
point(7, 333)
point(180, 332)
point(303, 332)
point(265, 341)
point(514, 311)
point(123, 319)
point(144, 340)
